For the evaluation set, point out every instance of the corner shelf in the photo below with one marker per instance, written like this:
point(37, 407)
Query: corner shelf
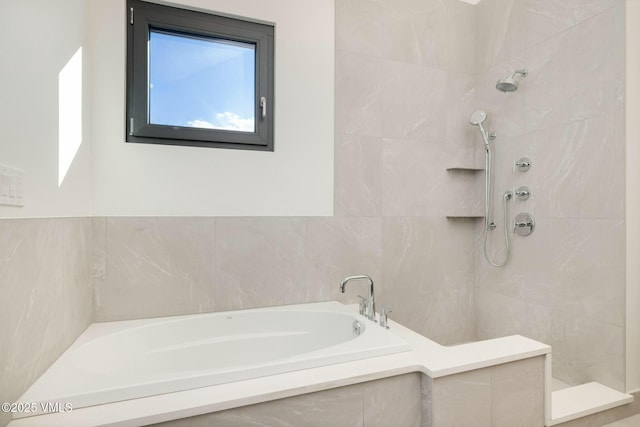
point(464, 169)
point(465, 216)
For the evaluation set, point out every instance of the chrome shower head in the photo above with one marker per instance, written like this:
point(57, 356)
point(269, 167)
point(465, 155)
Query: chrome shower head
point(510, 84)
point(507, 85)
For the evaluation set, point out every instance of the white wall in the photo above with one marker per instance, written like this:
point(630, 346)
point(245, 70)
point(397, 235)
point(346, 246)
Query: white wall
point(110, 177)
point(633, 197)
point(38, 38)
point(296, 179)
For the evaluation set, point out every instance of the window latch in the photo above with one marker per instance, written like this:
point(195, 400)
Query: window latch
point(263, 106)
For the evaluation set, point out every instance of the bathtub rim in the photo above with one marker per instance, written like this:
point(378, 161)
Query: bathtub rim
point(374, 342)
point(426, 357)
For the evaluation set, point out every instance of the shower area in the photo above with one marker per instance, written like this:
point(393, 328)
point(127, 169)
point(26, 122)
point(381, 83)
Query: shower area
point(420, 114)
point(564, 284)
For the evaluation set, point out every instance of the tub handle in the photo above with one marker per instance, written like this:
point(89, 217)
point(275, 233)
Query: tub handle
point(362, 305)
point(384, 317)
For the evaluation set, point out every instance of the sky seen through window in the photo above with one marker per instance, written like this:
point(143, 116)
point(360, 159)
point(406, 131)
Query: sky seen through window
point(201, 82)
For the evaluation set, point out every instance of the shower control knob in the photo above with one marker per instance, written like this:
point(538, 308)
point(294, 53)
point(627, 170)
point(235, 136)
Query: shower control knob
point(523, 164)
point(524, 224)
point(523, 193)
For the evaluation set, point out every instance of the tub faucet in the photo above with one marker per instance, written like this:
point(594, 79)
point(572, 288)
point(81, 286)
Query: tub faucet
point(371, 304)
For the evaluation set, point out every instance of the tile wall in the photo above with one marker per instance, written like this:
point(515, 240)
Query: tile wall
point(46, 300)
point(511, 394)
point(161, 266)
point(504, 395)
point(565, 284)
point(390, 401)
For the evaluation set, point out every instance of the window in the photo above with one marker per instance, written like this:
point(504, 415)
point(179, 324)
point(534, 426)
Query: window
point(198, 79)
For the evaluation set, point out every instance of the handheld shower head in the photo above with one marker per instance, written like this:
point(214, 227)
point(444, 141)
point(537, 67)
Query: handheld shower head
point(477, 119)
point(510, 84)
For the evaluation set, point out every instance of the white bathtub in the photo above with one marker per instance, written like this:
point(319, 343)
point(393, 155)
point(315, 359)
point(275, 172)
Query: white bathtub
point(117, 361)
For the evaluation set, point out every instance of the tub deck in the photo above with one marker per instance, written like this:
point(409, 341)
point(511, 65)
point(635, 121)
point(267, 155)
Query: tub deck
point(425, 356)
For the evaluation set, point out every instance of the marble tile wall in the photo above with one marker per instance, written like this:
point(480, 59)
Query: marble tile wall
point(505, 395)
point(46, 299)
point(565, 284)
point(154, 266)
point(163, 266)
point(386, 402)
point(150, 267)
point(404, 85)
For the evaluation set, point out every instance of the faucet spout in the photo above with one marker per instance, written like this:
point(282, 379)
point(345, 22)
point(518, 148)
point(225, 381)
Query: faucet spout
point(371, 304)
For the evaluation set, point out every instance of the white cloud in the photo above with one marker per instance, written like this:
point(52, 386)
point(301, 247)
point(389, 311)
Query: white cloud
point(226, 121)
point(201, 124)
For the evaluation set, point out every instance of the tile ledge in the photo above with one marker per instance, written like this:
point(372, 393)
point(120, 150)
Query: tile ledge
point(582, 400)
point(625, 422)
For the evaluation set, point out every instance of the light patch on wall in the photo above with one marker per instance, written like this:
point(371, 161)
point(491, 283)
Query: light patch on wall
point(69, 113)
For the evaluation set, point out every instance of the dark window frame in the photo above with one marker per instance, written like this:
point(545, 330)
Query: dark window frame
point(141, 18)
